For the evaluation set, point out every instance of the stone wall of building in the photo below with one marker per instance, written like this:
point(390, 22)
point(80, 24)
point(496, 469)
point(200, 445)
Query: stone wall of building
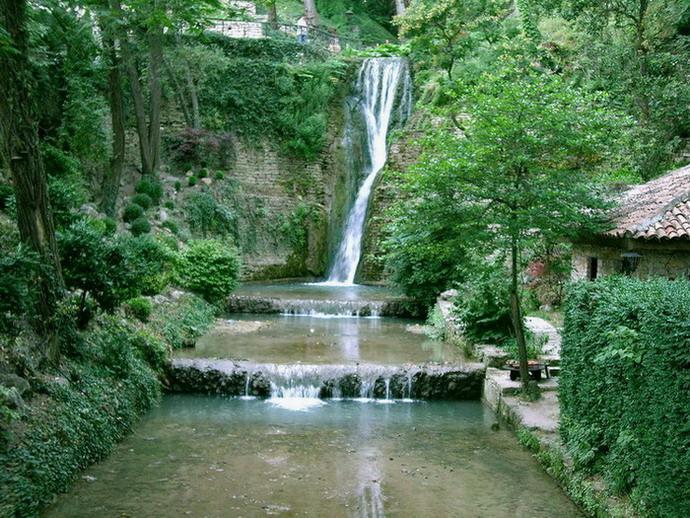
point(656, 259)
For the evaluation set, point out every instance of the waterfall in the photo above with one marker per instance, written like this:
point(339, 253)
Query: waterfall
point(381, 82)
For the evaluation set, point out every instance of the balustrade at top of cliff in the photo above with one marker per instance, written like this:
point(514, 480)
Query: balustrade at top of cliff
point(259, 28)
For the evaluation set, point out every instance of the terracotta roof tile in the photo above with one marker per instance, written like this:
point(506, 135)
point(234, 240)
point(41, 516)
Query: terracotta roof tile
point(659, 209)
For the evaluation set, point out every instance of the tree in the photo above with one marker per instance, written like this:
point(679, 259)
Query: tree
point(444, 31)
point(145, 25)
point(311, 13)
point(638, 50)
point(22, 156)
point(523, 167)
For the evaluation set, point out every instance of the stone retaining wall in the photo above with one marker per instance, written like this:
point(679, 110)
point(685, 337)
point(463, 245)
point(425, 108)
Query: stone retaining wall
point(429, 381)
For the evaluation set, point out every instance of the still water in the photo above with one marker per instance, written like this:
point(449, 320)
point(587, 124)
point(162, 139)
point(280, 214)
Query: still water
point(215, 457)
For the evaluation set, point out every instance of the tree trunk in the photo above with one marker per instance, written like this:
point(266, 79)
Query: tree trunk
point(155, 62)
point(139, 109)
point(21, 153)
point(399, 7)
point(310, 12)
point(179, 93)
point(111, 181)
point(194, 97)
point(273, 15)
point(516, 315)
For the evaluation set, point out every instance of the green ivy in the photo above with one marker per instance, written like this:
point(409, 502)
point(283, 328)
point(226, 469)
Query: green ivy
point(625, 389)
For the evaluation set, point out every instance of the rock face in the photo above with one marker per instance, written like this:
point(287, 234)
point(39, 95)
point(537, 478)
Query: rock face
point(229, 378)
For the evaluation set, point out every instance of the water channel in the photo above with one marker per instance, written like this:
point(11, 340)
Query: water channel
point(328, 407)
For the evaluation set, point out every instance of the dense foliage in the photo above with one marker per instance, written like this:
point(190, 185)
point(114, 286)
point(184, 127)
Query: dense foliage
point(210, 269)
point(625, 388)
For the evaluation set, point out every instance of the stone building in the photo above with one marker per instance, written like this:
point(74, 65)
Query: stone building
point(650, 235)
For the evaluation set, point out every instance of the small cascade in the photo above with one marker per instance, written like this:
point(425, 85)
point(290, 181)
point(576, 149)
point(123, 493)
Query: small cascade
point(382, 84)
point(331, 308)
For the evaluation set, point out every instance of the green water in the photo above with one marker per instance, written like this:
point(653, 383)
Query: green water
point(213, 457)
point(293, 339)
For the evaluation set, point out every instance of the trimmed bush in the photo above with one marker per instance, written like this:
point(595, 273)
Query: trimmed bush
point(143, 200)
point(140, 226)
point(210, 269)
point(151, 187)
point(219, 175)
point(178, 185)
point(625, 389)
point(139, 308)
point(169, 205)
point(132, 212)
point(192, 180)
point(203, 173)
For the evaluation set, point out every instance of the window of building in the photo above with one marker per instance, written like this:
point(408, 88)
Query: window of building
point(592, 268)
point(630, 263)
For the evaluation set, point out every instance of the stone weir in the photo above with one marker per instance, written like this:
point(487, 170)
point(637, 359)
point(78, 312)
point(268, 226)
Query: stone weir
point(236, 378)
point(398, 307)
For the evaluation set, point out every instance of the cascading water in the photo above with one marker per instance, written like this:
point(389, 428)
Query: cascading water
point(381, 82)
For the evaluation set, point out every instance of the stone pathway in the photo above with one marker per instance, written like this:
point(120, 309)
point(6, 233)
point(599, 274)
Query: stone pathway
point(539, 326)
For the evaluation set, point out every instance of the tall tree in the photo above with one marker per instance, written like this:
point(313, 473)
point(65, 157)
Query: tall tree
point(311, 13)
point(22, 156)
point(523, 167)
point(112, 57)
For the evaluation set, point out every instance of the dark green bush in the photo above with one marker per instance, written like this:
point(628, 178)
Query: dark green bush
point(139, 308)
point(132, 212)
point(146, 266)
point(6, 193)
point(219, 175)
point(169, 204)
point(483, 306)
point(140, 226)
point(178, 185)
point(143, 200)
point(625, 389)
point(203, 173)
point(192, 181)
point(151, 187)
point(17, 270)
point(209, 268)
point(66, 196)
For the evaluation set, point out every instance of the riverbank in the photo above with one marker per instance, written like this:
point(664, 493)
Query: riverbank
point(58, 422)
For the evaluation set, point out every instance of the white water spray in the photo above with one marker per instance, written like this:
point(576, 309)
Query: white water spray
point(378, 84)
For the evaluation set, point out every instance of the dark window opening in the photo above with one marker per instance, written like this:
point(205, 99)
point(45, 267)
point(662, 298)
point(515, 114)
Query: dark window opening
point(630, 263)
point(592, 268)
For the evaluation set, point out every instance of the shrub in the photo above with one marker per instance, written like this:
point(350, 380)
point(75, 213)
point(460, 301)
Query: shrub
point(483, 307)
point(151, 187)
point(6, 193)
point(145, 266)
point(66, 196)
point(143, 200)
point(109, 226)
point(171, 226)
point(132, 212)
point(203, 173)
point(180, 322)
point(140, 226)
point(209, 268)
point(139, 308)
point(178, 185)
point(192, 181)
point(205, 215)
point(219, 175)
point(169, 205)
point(625, 403)
point(17, 270)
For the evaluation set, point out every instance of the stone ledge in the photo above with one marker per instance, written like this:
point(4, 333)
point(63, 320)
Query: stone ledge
point(426, 381)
